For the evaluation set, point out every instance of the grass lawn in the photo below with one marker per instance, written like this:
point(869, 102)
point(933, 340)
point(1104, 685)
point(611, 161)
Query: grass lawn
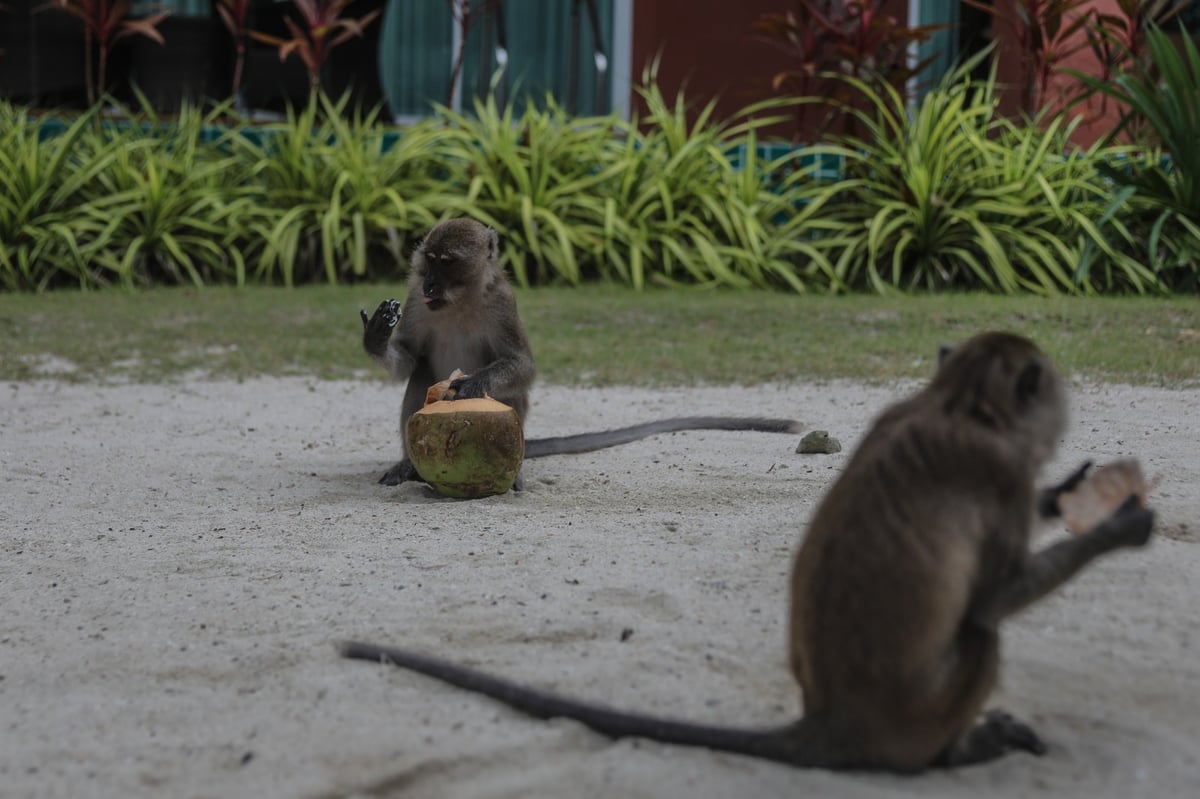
point(598, 335)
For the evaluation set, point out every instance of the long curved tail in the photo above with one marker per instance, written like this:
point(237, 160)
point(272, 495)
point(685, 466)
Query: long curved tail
point(791, 744)
point(588, 442)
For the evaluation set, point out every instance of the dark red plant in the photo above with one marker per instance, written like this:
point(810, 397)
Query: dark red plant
point(1047, 33)
point(847, 37)
point(324, 29)
point(233, 14)
point(1119, 40)
point(105, 22)
point(464, 13)
point(460, 12)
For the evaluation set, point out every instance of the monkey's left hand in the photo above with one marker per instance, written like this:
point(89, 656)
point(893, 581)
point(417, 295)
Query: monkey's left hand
point(1048, 499)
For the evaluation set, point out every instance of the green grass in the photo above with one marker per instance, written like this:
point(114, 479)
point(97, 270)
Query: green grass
point(595, 335)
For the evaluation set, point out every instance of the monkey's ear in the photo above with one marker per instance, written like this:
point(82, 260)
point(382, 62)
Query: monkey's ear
point(1029, 381)
point(944, 351)
point(493, 243)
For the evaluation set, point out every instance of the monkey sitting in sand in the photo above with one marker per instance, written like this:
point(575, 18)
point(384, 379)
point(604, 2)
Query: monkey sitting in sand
point(461, 314)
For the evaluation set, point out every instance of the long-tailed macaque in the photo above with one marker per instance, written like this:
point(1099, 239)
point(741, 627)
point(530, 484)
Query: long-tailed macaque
point(461, 314)
point(912, 560)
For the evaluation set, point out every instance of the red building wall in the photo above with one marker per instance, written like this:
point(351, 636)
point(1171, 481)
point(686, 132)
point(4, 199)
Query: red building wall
point(707, 47)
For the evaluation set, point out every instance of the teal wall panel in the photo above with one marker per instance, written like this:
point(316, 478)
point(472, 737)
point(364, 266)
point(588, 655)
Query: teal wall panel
point(416, 54)
point(943, 45)
point(187, 8)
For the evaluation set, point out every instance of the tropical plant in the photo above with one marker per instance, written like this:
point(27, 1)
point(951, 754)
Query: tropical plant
point(845, 37)
point(105, 22)
point(331, 197)
point(1047, 33)
point(463, 14)
point(660, 199)
point(528, 177)
point(1119, 38)
point(942, 195)
point(43, 185)
point(694, 213)
point(1162, 93)
point(1118, 42)
point(324, 28)
point(171, 204)
point(958, 197)
point(233, 15)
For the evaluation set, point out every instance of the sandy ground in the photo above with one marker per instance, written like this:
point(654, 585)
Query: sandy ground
point(177, 562)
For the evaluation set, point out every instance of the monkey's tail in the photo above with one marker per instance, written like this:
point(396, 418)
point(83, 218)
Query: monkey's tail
point(797, 744)
point(587, 442)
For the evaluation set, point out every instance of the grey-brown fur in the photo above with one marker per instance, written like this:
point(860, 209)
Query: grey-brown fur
point(460, 314)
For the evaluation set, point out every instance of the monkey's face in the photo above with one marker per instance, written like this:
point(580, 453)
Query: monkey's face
point(455, 258)
point(443, 277)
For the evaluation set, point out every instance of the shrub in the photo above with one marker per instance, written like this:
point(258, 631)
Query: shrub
point(957, 197)
point(530, 178)
point(328, 201)
point(945, 196)
point(165, 209)
point(1160, 197)
point(44, 240)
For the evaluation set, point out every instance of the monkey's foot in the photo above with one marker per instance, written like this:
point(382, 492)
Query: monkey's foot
point(400, 473)
point(996, 735)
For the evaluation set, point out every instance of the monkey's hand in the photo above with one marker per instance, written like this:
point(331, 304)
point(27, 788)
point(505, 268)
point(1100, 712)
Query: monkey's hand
point(377, 328)
point(472, 386)
point(1048, 499)
point(1129, 526)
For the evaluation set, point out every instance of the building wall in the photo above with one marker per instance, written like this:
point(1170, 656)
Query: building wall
point(708, 49)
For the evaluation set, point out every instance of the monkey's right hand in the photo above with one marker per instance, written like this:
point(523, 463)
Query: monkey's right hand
point(468, 386)
point(1048, 499)
point(377, 329)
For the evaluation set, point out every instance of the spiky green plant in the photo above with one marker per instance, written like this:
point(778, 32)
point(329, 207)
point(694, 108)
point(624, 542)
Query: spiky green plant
point(954, 196)
point(529, 177)
point(694, 203)
point(1163, 94)
point(171, 205)
point(43, 185)
point(328, 196)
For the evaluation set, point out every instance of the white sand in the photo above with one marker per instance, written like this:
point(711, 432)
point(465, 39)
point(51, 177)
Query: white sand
point(178, 562)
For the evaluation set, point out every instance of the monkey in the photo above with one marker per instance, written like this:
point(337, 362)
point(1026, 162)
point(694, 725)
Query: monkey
point(912, 559)
point(461, 313)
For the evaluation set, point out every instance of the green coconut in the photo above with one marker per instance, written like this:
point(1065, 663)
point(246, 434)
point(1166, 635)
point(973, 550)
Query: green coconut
point(467, 448)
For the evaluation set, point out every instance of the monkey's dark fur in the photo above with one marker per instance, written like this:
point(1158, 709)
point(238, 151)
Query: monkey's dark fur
point(461, 314)
point(913, 559)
